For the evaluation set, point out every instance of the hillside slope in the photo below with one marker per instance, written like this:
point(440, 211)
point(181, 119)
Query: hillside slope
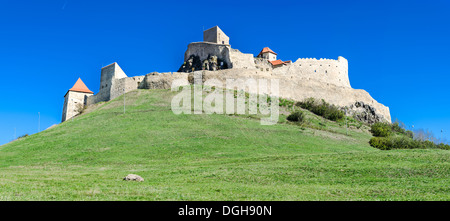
point(209, 157)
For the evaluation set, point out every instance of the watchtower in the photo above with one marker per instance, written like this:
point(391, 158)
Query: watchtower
point(75, 99)
point(216, 35)
point(268, 54)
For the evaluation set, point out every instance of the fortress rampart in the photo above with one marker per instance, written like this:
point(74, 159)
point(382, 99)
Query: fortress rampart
point(306, 77)
point(324, 70)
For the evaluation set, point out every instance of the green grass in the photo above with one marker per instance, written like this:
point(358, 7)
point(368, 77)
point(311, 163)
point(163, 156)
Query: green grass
point(211, 157)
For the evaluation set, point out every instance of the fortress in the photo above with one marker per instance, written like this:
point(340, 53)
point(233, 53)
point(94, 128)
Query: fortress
point(214, 58)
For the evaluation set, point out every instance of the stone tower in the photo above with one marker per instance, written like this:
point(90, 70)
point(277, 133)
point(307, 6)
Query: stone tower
point(75, 99)
point(268, 54)
point(216, 35)
point(109, 75)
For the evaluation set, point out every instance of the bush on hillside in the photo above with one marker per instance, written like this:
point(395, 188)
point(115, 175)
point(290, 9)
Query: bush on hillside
point(296, 116)
point(389, 143)
point(381, 129)
point(322, 108)
point(23, 136)
point(285, 103)
point(397, 128)
point(409, 134)
point(333, 113)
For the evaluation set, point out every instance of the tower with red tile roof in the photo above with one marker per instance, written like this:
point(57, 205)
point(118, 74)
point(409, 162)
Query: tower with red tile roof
point(75, 100)
point(268, 54)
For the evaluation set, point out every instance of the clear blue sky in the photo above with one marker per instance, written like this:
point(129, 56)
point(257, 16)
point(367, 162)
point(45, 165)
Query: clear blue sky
point(398, 51)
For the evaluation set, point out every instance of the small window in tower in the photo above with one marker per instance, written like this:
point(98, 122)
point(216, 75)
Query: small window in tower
point(223, 42)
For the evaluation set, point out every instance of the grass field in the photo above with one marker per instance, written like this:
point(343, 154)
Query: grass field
point(211, 157)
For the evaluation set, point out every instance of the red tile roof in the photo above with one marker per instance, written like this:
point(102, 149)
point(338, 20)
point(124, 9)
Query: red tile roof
point(265, 50)
point(277, 62)
point(79, 86)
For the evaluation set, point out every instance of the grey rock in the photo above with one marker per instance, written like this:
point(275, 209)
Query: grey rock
point(133, 177)
point(364, 113)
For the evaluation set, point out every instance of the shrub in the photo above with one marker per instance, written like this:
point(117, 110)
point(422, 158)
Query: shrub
point(381, 143)
point(333, 113)
point(397, 128)
point(322, 108)
point(389, 143)
point(409, 134)
point(444, 146)
point(296, 116)
point(80, 108)
point(306, 104)
point(23, 136)
point(286, 103)
point(381, 129)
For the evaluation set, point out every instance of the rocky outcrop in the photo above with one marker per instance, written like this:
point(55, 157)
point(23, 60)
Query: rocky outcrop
point(194, 63)
point(364, 113)
point(204, 51)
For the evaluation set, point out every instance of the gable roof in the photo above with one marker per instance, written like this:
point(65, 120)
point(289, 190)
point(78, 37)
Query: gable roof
point(79, 86)
point(277, 62)
point(266, 50)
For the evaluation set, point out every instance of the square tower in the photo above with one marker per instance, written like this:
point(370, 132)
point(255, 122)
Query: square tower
point(216, 35)
point(75, 100)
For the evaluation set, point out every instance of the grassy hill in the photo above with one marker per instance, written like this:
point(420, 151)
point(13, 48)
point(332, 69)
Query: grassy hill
point(211, 157)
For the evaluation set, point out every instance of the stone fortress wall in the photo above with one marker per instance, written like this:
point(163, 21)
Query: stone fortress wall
point(325, 70)
point(306, 77)
point(232, 58)
point(113, 83)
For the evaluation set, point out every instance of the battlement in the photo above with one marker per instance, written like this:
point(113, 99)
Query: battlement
point(322, 78)
point(330, 71)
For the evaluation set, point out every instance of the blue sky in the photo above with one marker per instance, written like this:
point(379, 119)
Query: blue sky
point(398, 51)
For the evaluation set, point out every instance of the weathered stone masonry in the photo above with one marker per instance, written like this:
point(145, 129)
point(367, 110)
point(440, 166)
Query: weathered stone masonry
point(214, 58)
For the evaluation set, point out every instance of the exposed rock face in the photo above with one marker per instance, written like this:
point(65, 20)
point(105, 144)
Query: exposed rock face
point(365, 113)
point(191, 64)
point(194, 63)
point(204, 50)
point(133, 177)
